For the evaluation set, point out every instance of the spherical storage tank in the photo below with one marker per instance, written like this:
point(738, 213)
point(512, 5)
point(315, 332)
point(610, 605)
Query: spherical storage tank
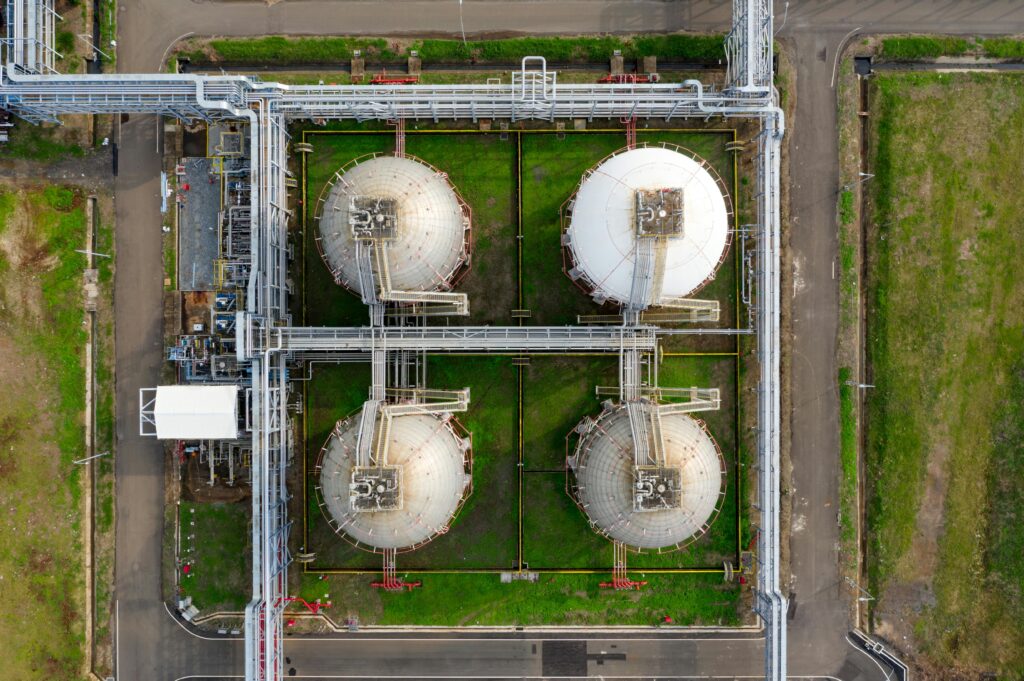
point(405, 203)
point(664, 506)
point(656, 193)
point(408, 500)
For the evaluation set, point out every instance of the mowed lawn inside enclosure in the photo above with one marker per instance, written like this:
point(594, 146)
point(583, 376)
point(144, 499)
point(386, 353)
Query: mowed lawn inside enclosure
point(516, 185)
point(214, 542)
point(519, 515)
point(946, 343)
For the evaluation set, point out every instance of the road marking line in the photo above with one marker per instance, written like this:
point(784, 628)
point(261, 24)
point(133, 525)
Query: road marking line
point(839, 51)
point(205, 638)
point(518, 677)
point(869, 656)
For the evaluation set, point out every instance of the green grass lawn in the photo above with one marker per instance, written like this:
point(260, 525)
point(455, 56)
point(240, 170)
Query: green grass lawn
point(945, 343)
point(41, 430)
point(923, 47)
point(464, 600)
point(215, 538)
point(39, 143)
point(557, 392)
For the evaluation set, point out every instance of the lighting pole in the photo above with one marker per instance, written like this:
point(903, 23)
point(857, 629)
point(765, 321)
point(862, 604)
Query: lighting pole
point(866, 597)
point(90, 458)
point(864, 177)
point(93, 253)
point(462, 26)
point(784, 17)
point(84, 37)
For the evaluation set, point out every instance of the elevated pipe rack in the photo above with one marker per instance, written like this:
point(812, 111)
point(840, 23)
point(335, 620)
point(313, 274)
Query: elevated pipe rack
point(29, 90)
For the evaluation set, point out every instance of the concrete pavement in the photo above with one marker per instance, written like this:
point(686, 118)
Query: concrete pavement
point(518, 657)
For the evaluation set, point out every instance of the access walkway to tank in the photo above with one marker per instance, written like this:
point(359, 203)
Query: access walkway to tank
point(520, 516)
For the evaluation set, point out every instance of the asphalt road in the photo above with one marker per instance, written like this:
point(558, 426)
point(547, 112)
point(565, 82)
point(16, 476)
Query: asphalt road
point(152, 645)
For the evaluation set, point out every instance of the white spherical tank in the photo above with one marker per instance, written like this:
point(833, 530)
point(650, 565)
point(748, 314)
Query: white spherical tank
point(610, 488)
point(423, 221)
point(655, 193)
point(411, 498)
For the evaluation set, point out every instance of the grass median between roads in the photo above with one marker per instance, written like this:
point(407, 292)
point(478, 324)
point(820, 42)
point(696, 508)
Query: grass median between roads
point(41, 430)
point(924, 47)
point(946, 347)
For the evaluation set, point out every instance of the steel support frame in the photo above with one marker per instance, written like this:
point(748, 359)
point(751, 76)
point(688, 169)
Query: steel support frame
point(31, 29)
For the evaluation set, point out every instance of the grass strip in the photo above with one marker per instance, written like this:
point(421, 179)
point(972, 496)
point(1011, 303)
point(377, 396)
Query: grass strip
point(1003, 48)
point(924, 47)
point(281, 50)
point(108, 32)
point(848, 457)
point(41, 429)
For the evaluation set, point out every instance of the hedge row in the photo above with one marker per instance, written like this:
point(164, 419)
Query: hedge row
point(924, 47)
point(932, 47)
point(284, 51)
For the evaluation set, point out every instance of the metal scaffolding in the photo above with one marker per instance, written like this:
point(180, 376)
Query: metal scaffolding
point(254, 340)
point(267, 342)
point(187, 96)
point(28, 45)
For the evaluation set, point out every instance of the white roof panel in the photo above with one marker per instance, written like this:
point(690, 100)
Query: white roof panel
point(196, 412)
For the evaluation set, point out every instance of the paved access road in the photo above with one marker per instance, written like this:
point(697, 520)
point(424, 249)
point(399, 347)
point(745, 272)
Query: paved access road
point(152, 645)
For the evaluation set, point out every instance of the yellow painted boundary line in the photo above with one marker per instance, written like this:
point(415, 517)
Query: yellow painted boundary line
point(519, 276)
point(524, 131)
point(738, 269)
point(497, 571)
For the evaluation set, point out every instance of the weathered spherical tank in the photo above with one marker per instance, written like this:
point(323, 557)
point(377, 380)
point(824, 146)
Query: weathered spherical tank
point(409, 206)
point(658, 507)
point(404, 501)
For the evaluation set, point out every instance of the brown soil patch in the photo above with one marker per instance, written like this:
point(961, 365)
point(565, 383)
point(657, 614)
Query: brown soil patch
point(196, 309)
point(40, 561)
point(924, 550)
point(904, 602)
point(21, 247)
